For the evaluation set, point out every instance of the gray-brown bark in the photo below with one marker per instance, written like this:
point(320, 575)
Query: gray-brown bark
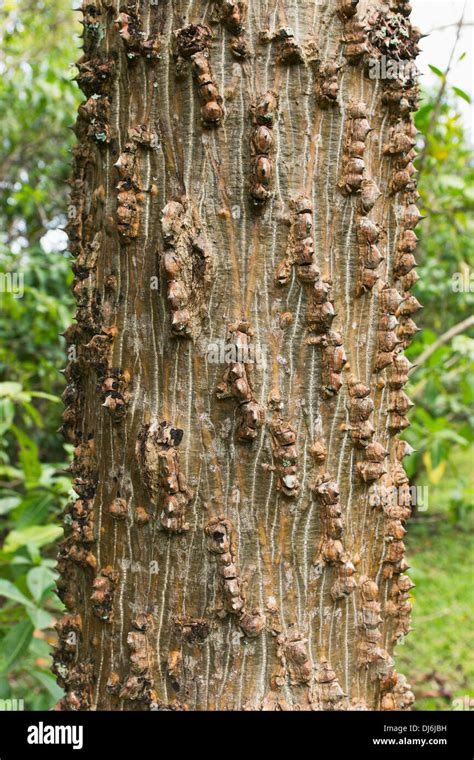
point(240, 179)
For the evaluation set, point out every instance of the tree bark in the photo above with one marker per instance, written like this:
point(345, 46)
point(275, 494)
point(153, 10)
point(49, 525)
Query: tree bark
point(242, 216)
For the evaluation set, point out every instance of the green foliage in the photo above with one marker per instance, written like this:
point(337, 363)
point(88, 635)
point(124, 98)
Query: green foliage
point(37, 101)
point(437, 656)
point(442, 387)
point(31, 494)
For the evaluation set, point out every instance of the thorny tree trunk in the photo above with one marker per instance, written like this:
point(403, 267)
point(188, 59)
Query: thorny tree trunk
point(242, 216)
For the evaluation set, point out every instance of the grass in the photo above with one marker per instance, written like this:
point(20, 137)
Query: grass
point(437, 655)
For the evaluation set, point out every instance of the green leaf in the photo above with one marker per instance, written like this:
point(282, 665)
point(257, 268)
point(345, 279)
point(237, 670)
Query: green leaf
point(467, 433)
point(39, 580)
point(7, 413)
point(41, 619)
point(33, 510)
point(12, 473)
point(48, 396)
point(37, 535)
point(29, 455)
point(14, 644)
point(34, 553)
point(437, 71)
point(10, 389)
point(18, 559)
point(10, 591)
point(49, 683)
point(438, 453)
point(421, 116)
point(8, 503)
point(33, 412)
point(452, 435)
point(462, 94)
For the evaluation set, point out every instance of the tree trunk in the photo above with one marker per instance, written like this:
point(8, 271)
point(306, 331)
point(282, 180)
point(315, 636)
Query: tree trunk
point(242, 218)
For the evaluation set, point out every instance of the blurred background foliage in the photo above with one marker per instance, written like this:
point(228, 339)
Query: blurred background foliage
point(38, 99)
